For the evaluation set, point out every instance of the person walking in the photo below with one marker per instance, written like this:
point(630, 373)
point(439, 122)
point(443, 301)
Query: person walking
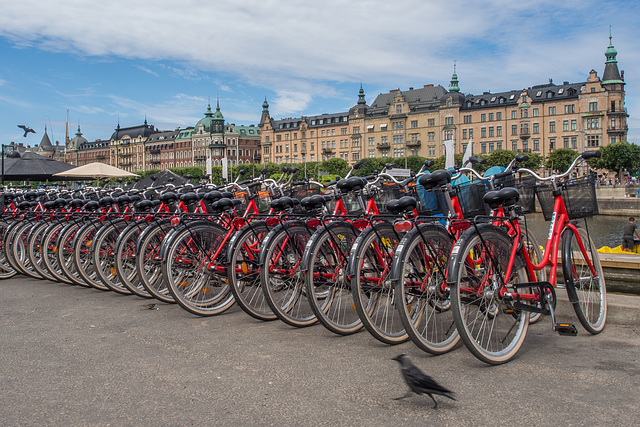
point(628, 232)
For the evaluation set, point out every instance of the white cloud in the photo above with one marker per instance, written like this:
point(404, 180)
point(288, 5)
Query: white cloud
point(302, 50)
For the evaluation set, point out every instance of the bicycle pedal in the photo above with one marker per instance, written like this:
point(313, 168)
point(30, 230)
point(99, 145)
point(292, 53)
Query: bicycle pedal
point(566, 329)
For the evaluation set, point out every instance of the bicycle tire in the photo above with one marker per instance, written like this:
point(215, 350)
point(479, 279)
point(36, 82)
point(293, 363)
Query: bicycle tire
point(371, 283)
point(487, 323)
point(64, 253)
point(424, 299)
point(328, 288)
point(282, 278)
point(21, 251)
point(587, 293)
point(83, 245)
point(535, 255)
point(149, 261)
point(125, 258)
point(196, 280)
point(244, 271)
point(35, 247)
point(9, 241)
point(104, 256)
point(6, 270)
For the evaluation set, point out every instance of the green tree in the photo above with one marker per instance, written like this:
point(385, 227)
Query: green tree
point(619, 157)
point(560, 159)
point(335, 166)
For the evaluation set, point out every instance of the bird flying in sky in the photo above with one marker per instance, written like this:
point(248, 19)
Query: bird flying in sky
point(26, 129)
point(419, 382)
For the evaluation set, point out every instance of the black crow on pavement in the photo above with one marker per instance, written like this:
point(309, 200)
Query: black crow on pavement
point(419, 382)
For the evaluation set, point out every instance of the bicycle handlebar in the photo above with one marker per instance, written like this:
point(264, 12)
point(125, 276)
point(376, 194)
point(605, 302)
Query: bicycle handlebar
point(584, 155)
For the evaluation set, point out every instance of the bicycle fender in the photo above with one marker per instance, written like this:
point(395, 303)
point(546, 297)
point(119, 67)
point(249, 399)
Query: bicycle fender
point(397, 265)
point(353, 262)
point(272, 234)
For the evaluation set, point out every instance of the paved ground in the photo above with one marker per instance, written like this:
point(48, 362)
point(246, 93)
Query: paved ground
point(75, 356)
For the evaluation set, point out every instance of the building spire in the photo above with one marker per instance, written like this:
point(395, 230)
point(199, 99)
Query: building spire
point(361, 100)
point(453, 86)
point(611, 73)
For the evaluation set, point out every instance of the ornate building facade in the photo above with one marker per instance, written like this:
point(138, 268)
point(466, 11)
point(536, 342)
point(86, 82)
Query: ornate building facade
point(538, 119)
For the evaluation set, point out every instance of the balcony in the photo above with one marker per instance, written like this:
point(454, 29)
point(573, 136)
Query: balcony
point(154, 151)
point(125, 164)
point(219, 144)
point(257, 156)
point(154, 161)
point(101, 157)
point(200, 157)
point(525, 134)
point(414, 144)
point(125, 155)
point(383, 146)
point(617, 129)
point(327, 150)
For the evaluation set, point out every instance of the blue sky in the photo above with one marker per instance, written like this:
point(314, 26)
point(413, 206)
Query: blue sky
point(122, 61)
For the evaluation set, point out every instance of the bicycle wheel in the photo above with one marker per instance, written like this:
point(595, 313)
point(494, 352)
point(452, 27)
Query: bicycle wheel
point(244, 271)
point(149, 261)
point(83, 245)
point(282, 278)
point(62, 248)
point(21, 251)
point(125, 258)
point(587, 292)
point(9, 242)
point(195, 268)
point(104, 256)
point(371, 283)
point(423, 298)
point(6, 271)
point(489, 325)
point(35, 247)
point(327, 284)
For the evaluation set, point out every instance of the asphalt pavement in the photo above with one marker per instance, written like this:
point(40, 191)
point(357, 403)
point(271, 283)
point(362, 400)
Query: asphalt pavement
point(77, 356)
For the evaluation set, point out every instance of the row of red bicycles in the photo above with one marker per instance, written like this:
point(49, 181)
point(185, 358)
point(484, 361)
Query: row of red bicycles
point(436, 258)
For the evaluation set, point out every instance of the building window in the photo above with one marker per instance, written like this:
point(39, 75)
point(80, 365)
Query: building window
point(432, 136)
point(499, 115)
point(491, 134)
point(593, 140)
point(514, 145)
point(514, 129)
point(483, 148)
point(372, 141)
point(565, 125)
point(524, 128)
point(483, 117)
point(431, 122)
point(593, 123)
point(569, 109)
point(514, 114)
point(552, 143)
point(432, 150)
point(398, 125)
point(448, 120)
point(398, 139)
point(490, 117)
point(524, 113)
point(536, 128)
point(414, 123)
point(499, 145)
point(552, 111)
point(464, 134)
point(574, 142)
point(525, 146)
point(565, 141)
point(467, 118)
point(593, 106)
point(483, 132)
point(536, 145)
point(470, 133)
point(536, 112)
point(552, 127)
point(574, 125)
point(498, 131)
point(490, 147)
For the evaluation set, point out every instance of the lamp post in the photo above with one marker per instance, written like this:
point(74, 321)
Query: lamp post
point(12, 149)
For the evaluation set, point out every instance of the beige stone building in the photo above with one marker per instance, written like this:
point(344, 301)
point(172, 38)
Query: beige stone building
point(399, 123)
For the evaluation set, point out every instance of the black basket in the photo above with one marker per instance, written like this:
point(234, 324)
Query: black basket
point(527, 189)
point(384, 193)
point(579, 197)
point(470, 197)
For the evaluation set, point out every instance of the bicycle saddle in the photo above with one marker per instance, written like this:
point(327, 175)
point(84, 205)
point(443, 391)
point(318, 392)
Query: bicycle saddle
point(351, 184)
point(507, 196)
point(435, 179)
point(405, 203)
